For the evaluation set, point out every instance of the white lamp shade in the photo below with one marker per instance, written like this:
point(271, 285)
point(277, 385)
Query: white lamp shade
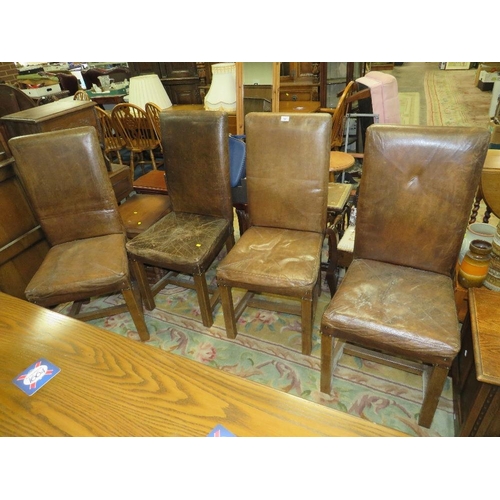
point(148, 88)
point(222, 93)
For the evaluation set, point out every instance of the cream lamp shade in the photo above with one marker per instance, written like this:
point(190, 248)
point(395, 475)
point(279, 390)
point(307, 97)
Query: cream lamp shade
point(148, 88)
point(222, 93)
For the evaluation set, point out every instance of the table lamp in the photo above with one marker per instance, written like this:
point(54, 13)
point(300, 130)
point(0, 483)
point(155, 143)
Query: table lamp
point(148, 88)
point(222, 93)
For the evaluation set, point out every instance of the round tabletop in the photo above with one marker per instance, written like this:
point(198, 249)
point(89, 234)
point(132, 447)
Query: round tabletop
point(490, 181)
point(340, 161)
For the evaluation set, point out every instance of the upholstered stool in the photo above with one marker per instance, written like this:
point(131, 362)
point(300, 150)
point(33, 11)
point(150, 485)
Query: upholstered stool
point(338, 211)
point(153, 182)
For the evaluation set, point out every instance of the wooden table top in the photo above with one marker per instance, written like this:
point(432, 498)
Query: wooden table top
point(112, 386)
point(484, 305)
point(492, 161)
point(299, 106)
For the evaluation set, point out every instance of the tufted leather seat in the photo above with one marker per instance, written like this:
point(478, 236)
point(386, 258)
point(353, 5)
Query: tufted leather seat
point(416, 191)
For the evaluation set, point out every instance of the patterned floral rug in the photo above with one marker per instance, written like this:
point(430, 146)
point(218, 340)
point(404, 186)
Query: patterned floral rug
point(267, 350)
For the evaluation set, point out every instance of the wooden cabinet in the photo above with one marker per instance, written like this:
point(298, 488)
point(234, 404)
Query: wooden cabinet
point(57, 115)
point(180, 79)
point(476, 370)
point(22, 242)
point(299, 81)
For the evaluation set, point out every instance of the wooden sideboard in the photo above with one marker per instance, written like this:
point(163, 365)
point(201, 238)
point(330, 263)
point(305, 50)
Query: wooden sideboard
point(53, 116)
point(476, 370)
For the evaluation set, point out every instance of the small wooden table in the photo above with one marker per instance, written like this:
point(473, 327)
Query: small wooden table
point(112, 386)
point(476, 371)
point(113, 97)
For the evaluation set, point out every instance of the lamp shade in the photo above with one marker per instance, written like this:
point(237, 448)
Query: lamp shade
point(222, 93)
point(148, 88)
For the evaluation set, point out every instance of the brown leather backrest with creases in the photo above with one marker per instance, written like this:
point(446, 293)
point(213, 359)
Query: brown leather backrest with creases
point(64, 175)
point(288, 157)
point(416, 193)
point(196, 153)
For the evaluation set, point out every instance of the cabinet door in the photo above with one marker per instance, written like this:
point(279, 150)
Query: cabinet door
point(144, 68)
point(181, 81)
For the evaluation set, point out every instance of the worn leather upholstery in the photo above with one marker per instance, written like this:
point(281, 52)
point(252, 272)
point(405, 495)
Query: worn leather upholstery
point(416, 192)
point(287, 186)
point(65, 177)
point(188, 239)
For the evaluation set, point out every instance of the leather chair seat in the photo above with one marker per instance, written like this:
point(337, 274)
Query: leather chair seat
point(139, 212)
point(181, 241)
point(78, 269)
point(382, 304)
point(266, 259)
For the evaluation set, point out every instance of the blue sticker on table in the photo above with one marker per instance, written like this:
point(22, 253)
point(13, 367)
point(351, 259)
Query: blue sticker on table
point(220, 431)
point(36, 376)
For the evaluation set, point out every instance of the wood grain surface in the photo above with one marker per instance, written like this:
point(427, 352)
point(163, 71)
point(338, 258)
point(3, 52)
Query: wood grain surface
point(113, 386)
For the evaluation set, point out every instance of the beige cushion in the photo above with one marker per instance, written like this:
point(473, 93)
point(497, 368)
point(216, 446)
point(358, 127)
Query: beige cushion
point(275, 260)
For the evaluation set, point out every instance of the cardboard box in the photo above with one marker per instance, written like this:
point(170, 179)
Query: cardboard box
point(487, 67)
point(495, 133)
point(43, 91)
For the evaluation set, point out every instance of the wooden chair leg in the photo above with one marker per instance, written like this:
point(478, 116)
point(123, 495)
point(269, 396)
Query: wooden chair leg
point(331, 351)
point(230, 243)
point(433, 387)
point(139, 273)
point(228, 311)
point(201, 286)
point(153, 161)
point(134, 305)
point(307, 318)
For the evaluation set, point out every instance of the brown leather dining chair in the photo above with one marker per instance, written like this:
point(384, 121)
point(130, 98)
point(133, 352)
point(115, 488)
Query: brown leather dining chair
point(287, 190)
point(65, 178)
point(189, 238)
point(396, 303)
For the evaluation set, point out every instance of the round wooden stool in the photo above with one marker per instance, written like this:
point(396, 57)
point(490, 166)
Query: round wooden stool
point(339, 161)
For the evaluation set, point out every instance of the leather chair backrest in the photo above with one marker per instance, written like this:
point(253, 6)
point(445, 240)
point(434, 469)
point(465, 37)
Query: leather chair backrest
point(288, 158)
point(64, 175)
point(416, 194)
point(196, 154)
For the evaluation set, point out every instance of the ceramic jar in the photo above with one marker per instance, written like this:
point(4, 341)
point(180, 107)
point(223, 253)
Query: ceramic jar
point(475, 264)
point(476, 231)
point(493, 278)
